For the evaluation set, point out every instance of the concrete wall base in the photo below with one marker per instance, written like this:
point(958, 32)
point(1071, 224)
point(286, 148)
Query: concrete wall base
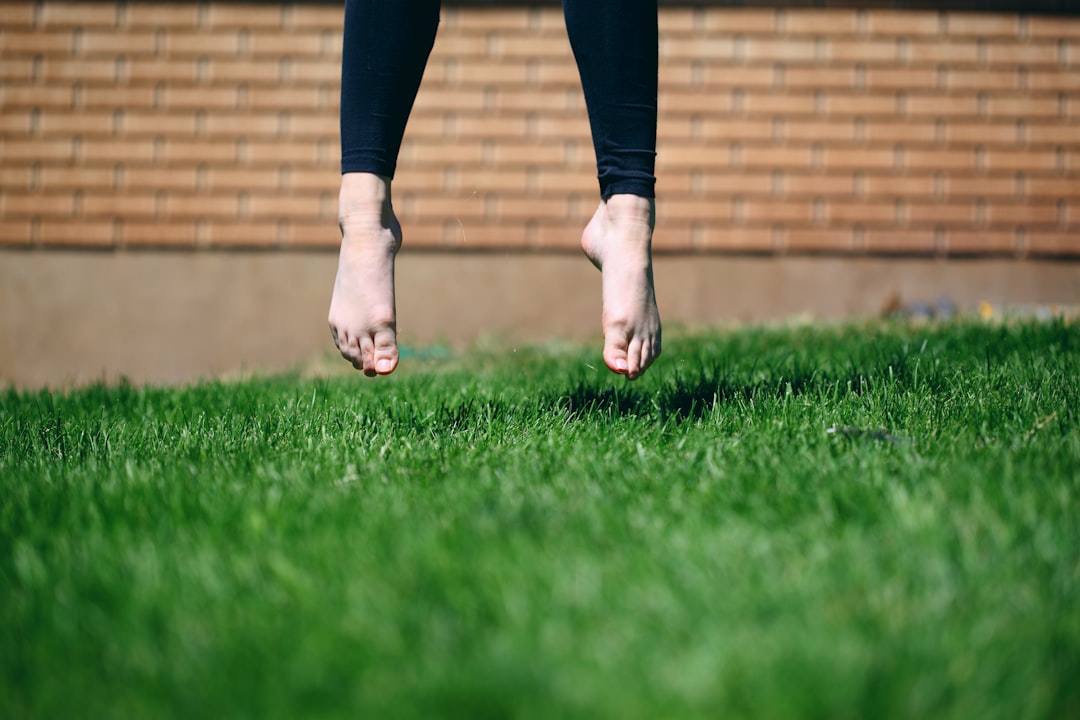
point(70, 318)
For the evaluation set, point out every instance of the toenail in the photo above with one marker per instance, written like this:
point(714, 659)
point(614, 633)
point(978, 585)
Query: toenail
point(620, 365)
point(383, 366)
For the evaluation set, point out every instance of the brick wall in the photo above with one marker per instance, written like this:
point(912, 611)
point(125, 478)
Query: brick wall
point(213, 125)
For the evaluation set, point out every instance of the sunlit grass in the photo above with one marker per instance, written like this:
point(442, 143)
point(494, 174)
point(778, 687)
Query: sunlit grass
point(873, 520)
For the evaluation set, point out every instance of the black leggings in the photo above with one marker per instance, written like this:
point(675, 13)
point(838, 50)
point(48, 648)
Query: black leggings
point(387, 43)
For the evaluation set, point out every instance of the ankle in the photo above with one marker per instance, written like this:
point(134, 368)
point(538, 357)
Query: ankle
point(631, 207)
point(365, 195)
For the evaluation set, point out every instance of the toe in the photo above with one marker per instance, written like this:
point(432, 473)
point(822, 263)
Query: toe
point(615, 349)
point(633, 359)
point(385, 352)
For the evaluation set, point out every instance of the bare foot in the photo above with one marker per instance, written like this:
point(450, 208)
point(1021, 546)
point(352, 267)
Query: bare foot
point(363, 317)
point(618, 240)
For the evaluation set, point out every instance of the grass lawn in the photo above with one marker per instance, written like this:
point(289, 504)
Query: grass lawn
point(865, 521)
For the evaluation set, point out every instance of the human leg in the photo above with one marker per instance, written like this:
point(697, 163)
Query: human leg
point(615, 46)
point(386, 46)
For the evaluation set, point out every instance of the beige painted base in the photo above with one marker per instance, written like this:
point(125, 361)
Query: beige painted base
point(75, 317)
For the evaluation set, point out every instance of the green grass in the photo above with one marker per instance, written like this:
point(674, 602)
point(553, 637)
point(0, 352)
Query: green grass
point(522, 535)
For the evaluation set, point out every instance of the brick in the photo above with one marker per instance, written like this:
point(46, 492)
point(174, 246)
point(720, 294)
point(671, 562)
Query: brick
point(58, 70)
point(16, 233)
point(158, 178)
point(493, 126)
point(950, 159)
point(314, 17)
point(459, 46)
point(179, 16)
point(941, 213)
point(901, 78)
point(247, 234)
point(112, 97)
point(1057, 134)
point(1024, 106)
point(319, 125)
point(726, 129)
point(17, 124)
point(29, 204)
point(819, 240)
point(17, 15)
point(425, 152)
point(248, 15)
point(81, 233)
point(1054, 81)
point(894, 186)
point(760, 49)
point(298, 99)
point(718, 183)
point(832, 184)
point(117, 150)
point(186, 98)
point(289, 206)
point(1054, 243)
point(1001, 159)
point(859, 158)
point(980, 186)
point(979, 242)
point(818, 22)
point(323, 179)
point(57, 123)
point(949, 52)
point(983, 25)
point(780, 103)
point(718, 77)
point(1054, 187)
point(767, 211)
point(182, 43)
point(485, 20)
point(154, 234)
point(817, 130)
point(322, 70)
point(64, 177)
point(980, 133)
point(487, 72)
point(879, 211)
point(294, 44)
point(180, 151)
point(201, 206)
point(77, 14)
point(1053, 28)
point(803, 78)
point(19, 42)
point(903, 23)
point(862, 50)
point(271, 153)
point(740, 21)
point(16, 178)
point(676, 209)
point(892, 132)
point(245, 70)
point(162, 70)
point(942, 106)
point(1026, 213)
point(900, 242)
point(677, 21)
point(1043, 53)
point(862, 105)
point(224, 124)
point(36, 150)
point(115, 42)
point(484, 180)
point(99, 204)
point(738, 239)
point(143, 123)
point(224, 178)
point(697, 48)
point(694, 102)
point(991, 80)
